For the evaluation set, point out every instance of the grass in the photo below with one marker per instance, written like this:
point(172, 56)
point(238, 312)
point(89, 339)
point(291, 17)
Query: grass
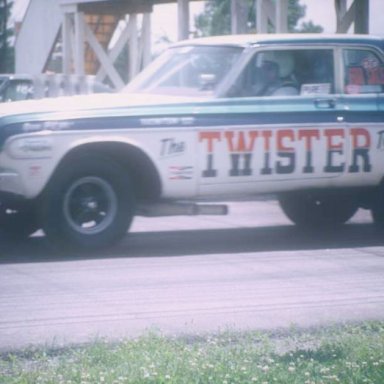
point(348, 354)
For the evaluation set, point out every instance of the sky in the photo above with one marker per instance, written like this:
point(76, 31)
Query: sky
point(319, 11)
point(323, 12)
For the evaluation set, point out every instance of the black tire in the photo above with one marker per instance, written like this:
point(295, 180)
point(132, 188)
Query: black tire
point(89, 204)
point(377, 208)
point(19, 222)
point(318, 209)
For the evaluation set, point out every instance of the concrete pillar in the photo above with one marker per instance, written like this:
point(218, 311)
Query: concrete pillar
point(281, 16)
point(239, 16)
point(67, 32)
point(261, 20)
point(133, 46)
point(362, 16)
point(358, 13)
point(79, 43)
point(146, 39)
point(183, 19)
point(267, 14)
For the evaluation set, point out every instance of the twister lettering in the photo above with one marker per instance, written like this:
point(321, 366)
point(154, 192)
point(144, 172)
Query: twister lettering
point(282, 146)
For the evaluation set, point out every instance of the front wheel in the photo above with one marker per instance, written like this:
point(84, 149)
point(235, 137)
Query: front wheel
point(318, 209)
point(88, 205)
point(18, 222)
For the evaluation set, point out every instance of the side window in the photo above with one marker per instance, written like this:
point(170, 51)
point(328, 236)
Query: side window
point(288, 73)
point(363, 72)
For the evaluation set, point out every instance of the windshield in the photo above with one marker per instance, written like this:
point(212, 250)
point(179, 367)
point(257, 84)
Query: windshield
point(186, 71)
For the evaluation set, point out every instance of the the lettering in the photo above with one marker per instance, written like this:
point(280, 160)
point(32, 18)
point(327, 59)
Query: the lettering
point(210, 138)
point(308, 136)
point(285, 151)
point(361, 143)
point(335, 150)
point(380, 141)
point(267, 169)
point(240, 146)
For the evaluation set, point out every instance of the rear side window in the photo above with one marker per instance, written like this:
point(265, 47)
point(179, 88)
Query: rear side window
point(315, 71)
point(363, 72)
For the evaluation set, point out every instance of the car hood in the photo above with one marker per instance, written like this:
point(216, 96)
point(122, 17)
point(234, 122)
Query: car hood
point(88, 103)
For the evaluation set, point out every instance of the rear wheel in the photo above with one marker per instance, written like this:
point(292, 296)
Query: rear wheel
point(318, 209)
point(377, 208)
point(88, 205)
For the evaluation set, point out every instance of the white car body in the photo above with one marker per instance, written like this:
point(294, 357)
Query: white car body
point(212, 138)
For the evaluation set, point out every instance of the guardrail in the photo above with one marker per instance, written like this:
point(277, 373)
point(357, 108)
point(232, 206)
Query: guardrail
point(55, 85)
point(21, 87)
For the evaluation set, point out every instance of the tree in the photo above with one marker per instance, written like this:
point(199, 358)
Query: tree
point(309, 27)
point(216, 18)
point(6, 33)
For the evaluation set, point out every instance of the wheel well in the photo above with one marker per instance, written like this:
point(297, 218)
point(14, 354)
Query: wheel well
point(363, 196)
point(145, 178)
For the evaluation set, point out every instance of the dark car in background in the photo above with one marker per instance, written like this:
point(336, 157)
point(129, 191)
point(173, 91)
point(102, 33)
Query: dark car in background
point(17, 87)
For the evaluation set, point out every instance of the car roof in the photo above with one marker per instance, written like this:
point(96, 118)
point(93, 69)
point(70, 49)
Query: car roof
point(288, 38)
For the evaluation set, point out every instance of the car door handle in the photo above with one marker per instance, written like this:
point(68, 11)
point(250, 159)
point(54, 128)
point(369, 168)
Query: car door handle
point(325, 103)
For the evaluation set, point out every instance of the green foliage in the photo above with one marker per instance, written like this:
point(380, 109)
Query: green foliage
point(216, 18)
point(309, 27)
point(347, 355)
point(295, 13)
point(6, 33)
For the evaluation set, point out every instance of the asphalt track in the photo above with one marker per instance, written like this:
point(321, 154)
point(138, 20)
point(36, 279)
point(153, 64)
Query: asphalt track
point(251, 269)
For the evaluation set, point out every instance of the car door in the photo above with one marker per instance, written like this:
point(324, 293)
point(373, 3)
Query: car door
point(363, 83)
point(271, 137)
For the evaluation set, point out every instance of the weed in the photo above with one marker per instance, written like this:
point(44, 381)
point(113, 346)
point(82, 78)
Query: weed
point(349, 354)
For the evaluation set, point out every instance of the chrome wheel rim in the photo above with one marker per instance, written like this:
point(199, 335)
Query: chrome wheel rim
point(90, 205)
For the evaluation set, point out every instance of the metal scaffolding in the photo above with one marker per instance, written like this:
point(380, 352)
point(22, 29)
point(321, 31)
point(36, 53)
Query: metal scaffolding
point(86, 32)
